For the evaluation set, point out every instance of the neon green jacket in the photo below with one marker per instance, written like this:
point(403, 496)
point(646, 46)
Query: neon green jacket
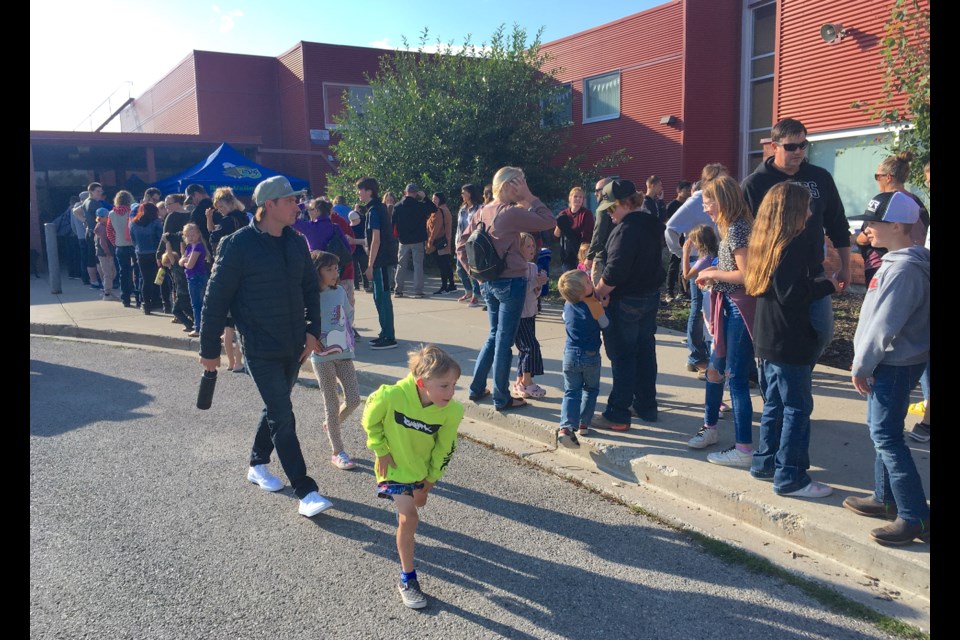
point(420, 439)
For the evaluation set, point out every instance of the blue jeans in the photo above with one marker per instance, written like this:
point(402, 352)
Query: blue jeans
point(196, 286)
point(821, 317)
point(737, 365)
point(504, 298)
point(469, 284)
point(581, 386)
point(783, 450)
point(383, 302)
point(631, 348)
point(696, 343)
point(278, 426)
point(895, 475)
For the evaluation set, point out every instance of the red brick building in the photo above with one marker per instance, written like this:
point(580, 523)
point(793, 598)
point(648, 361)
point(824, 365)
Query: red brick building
point(679, 85)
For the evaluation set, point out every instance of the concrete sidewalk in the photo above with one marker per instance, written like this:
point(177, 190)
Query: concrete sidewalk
point(650, 465)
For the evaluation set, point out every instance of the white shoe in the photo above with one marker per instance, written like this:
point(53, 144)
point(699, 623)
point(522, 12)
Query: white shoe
point(312, 504)
point(704, 438)
point(812, 490)
point(260, 475)
point(731, 457)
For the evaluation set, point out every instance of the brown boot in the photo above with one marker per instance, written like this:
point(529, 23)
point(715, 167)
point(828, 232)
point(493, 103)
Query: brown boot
point(901, 532)
point(870, 507)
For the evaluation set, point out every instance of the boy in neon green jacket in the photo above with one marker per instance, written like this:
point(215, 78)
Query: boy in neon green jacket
point(412, 428)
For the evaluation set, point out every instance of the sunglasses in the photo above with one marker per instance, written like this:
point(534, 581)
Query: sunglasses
point(793, 146)
point(877, 176)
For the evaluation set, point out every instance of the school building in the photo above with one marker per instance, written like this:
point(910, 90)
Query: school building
point(679, 85)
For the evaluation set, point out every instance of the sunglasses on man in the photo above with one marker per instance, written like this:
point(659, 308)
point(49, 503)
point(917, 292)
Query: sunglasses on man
point(793, 146)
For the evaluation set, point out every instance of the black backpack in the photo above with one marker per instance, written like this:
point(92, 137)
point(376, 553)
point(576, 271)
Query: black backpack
point(485, 263)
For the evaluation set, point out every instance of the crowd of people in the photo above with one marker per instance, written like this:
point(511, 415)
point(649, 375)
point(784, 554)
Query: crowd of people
point(276, 286)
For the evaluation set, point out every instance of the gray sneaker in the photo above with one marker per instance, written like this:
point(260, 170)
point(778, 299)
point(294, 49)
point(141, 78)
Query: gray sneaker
point(704, 438)
point(733, 457)
point(411, 594)
point(919, 432)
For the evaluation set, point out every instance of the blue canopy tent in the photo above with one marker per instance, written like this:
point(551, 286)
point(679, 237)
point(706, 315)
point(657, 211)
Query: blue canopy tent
point(225, 167)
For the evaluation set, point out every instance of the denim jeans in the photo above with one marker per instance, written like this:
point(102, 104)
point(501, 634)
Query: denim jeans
point(126, 257)
point(182, 303)
point(504, 298)
point(736, 364)
point(278, 426)
point(410, 259)
point(696, 343)
point(631, 348)
point(581, 386)
point(783, 450)
point(925, 382)
point(895, 475)
point(821, 317)
point(381, 299)
point(469, 284)
point(197, 285)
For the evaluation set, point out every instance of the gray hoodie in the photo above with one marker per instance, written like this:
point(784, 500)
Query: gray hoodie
point(894, 326)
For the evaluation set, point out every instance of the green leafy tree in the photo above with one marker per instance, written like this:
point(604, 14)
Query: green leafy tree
point(456, 116)
point(905, 47)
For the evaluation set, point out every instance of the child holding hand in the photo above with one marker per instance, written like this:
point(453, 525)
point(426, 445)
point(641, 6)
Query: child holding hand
point(583, 317)
point(194, 265)
point(334, 360)
point(412, 427)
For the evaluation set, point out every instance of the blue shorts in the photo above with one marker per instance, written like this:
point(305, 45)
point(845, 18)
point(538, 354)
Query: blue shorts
point(388, 488)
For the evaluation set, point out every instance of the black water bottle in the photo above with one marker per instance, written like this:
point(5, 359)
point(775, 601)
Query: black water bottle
point(208, 381)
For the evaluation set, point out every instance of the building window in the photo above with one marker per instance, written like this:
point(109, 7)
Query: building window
point(557, 108)
point(851, 158)
point(601, 97)
point(334, 96)
point(758, 72)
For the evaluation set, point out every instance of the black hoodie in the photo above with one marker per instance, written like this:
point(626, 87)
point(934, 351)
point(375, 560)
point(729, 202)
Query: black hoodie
point(828, 215)
point(633, 262)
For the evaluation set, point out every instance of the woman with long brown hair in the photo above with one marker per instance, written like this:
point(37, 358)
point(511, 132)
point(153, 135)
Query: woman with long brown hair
point(731, 323)
point(778, 275)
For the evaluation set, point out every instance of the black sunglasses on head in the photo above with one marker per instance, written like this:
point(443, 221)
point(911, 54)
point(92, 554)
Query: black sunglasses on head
point(793, 146)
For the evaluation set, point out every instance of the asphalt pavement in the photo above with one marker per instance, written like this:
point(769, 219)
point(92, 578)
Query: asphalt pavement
point(650, 466)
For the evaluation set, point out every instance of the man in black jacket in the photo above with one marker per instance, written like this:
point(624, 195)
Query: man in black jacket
point(264, 276)
point(597, 252)
point(788, 162)
point(410, 218)
point(630, 285)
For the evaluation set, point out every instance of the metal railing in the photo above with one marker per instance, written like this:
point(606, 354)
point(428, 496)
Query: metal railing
point(106, 109)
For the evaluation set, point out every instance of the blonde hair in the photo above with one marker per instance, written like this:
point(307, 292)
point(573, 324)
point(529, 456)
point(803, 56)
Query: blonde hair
point(704, 238)
point(711, 172)
point(225, 195)
point(524, 236)
point(573, 285)
point(503, 176)
point(898, 166)
point(731, 205)
point(190, 226)
point(575, 191)
point(582, 252)
point(780, 219)
point(430, 361)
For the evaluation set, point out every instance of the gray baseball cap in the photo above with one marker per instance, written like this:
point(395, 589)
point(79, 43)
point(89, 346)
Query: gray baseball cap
point(273, 188)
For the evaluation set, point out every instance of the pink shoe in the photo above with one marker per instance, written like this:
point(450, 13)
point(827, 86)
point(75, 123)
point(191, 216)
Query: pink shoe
point(529, 391)
point(464, 298)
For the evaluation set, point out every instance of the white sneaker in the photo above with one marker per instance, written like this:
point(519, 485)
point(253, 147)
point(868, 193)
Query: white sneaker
point(313, 503)
point(260, 475)
point(812, 490)
point(731, 457)
point(704, 438)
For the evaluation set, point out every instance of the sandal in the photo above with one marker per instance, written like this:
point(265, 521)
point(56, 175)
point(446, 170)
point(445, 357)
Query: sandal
point(528, 391)
point(464, 298)
point(486, 392)
point(515, 403)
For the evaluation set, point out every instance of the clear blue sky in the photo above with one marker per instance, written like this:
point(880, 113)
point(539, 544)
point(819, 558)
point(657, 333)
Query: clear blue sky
point(83, 51)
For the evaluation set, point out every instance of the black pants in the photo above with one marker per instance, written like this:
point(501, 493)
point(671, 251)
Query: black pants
point(446, 271)
point(673, 273)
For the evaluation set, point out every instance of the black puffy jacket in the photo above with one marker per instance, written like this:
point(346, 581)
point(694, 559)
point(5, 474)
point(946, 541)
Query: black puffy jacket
point(271, 289)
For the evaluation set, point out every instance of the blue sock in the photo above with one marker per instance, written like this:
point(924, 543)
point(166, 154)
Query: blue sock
point(407, 577)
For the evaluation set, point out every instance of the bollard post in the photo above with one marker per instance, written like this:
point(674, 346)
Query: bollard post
point(53, 257)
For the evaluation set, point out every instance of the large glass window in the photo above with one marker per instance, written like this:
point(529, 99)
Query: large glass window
point(334, 103)
point(558, 108)
point(601, 97)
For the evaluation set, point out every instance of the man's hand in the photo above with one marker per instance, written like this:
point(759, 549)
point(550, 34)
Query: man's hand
point(862, 384)
point(311, 344)
point(843, 278)
point(210, 364)
point(382, 463)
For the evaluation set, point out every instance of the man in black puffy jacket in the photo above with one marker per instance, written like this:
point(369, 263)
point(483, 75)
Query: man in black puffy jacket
point(264, 276)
